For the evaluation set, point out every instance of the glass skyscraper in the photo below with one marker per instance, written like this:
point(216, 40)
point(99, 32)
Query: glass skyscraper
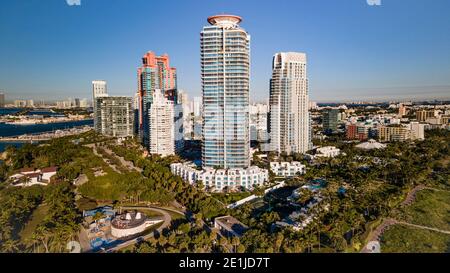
point(330, 120)
point(225, 73)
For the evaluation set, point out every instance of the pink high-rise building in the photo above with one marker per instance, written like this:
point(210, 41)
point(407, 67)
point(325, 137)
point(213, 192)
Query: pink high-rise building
point(155, 73)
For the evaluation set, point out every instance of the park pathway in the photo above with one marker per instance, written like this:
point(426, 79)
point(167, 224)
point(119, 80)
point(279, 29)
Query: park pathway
point(424, 227)
point(410, 198)
point(112, 166)
point(124, 162)
point(378, 232)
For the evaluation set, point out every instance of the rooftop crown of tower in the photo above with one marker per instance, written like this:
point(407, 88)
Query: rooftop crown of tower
point(225, 20)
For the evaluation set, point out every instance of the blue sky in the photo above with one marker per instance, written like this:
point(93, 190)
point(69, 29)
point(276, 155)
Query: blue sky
point(399, 50)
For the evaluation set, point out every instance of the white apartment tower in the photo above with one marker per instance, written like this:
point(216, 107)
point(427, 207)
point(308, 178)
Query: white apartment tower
point(98, 90)
point(289, 104)
point(225, 73)
point(162, 135)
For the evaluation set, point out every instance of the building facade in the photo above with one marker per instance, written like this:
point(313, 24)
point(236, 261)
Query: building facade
point(423, 115)
point(393, 133)
point(287, 169)
point(219, 179)
point(225, 74)
point(359, 131)
point(99, 90)
point(156, 73)
point(401, 110)
point(258, 122)
point(330, 120)
point(417, 130)
point(289, 104)
point(161, 140)
point(114, 116)
point(327, 151)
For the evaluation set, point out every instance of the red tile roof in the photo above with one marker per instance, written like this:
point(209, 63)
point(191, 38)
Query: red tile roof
point(24, 170)
point(49, 170)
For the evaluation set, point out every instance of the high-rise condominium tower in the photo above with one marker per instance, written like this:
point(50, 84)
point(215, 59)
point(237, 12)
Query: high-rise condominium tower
point(225, 68)
point(155, 74)
point(114, 116)
point(289, 103)
point(161, 125)
point(98, 90)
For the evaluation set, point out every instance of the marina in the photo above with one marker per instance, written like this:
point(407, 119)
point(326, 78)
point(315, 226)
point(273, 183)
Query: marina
point(36, 137)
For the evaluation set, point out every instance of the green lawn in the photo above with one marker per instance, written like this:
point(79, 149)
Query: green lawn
point(402, 239)
point(150, 213)
point(102, 187)
point(36, 218)
point(228, 198)
point(431, 208)
point(174, 215)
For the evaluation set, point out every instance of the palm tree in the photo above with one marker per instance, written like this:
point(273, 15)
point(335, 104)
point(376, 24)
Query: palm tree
point(9, 246)
point(235, 242)
point(43, 235)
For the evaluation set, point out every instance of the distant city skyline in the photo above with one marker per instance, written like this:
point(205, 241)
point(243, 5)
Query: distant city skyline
point(356, 51)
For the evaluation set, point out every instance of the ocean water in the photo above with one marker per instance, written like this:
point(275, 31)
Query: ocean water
point(16, 130)
point(43, 112)
point(8, 111)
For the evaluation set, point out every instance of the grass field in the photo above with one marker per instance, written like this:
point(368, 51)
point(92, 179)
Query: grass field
point(431, 208)
point(36, 218)
point(402, 239)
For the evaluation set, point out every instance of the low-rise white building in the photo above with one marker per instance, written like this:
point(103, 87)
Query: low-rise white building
point(218, 179)
point(287, 169)
point(131, 223)
point(371, 144)
point(327, 151)
point(29, 177)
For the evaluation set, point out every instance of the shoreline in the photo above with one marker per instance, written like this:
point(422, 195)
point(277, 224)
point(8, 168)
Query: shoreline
point(26, 122)
point(42, 136)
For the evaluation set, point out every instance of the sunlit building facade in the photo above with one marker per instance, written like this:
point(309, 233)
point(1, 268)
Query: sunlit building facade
point(98, 90)
point(114, 116)
point(225, 74)
point(161, 140)
point(289, 104)
point(156, 73)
